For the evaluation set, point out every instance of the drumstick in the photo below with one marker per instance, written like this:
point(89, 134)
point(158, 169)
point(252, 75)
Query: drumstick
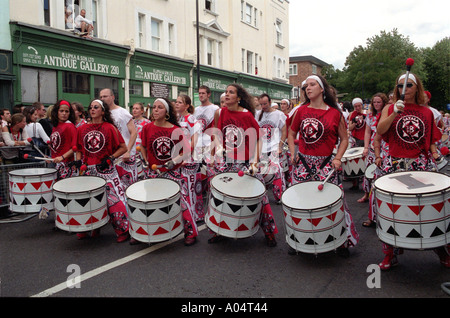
point(409, 63)
point(27, 156)
point(320, 187)
point(30, 140)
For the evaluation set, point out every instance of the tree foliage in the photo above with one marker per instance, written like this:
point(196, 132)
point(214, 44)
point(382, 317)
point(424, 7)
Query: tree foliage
point(375, 67)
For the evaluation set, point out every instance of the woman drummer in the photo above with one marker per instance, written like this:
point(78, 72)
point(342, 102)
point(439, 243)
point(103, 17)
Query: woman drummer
point(321, 126)
point(238, 147)
point(63, 139)
point(164, 147)
point(411, 133)
point(99, 142)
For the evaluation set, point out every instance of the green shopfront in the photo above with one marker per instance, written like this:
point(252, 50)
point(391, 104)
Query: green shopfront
point(52, 65)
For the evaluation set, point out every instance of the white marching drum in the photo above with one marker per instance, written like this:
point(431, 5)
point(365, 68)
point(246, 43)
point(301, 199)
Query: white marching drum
point(80, 203)
point(315, 219)
point(413, 209)
point(235, 205)
point(154, 210)
point(353, 163)
point(31, 189)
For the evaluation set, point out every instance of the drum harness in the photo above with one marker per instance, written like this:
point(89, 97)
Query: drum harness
point(308, 168)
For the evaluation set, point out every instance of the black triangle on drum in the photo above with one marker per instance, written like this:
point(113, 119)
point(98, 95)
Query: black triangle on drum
point(99, 197)
point(217, 202)
point(64, 202)
point(310, 241)
point(292, 237)
point(83, 202)
point(148, 212)
point(437, 232)
point(26, 202)
point(392, 231)
point(42, 201)
point(234, 207)
point(131, 208)
point(448, 228)
point(166, 209)
point(343, 230)
point(414, 234)
point(14, 201)
point(329, 239)
point(252, 207)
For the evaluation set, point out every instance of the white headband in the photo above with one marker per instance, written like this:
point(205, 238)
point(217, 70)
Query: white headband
point(315, 77)
point(411, 76)
point(356, 101)
point(100, 102)
point(164, 103)
point(286, 100)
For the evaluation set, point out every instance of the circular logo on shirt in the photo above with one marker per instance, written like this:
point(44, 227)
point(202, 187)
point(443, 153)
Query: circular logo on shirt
point(162, 147)
point(55, 141)
point(267, 131)
point(311, 130)
point(94, 141)
point(410, 128)
point(234, 136)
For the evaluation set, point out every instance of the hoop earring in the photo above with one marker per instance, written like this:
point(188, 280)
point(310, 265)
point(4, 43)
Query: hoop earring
point(167, 117)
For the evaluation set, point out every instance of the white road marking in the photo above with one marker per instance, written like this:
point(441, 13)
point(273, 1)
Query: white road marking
point(100, 270)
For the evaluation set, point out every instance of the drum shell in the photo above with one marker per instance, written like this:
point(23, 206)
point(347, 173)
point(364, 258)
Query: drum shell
point(233, 216)
point(413, 221)
point(353, 163)
point(81, 210)
point(314, 230)
point(31, 189)
point(156, 220)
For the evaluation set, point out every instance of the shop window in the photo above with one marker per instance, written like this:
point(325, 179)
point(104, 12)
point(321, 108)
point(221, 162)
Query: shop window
point(101, 82)
point(136, 89)
point(76, 83)
point(38, 85)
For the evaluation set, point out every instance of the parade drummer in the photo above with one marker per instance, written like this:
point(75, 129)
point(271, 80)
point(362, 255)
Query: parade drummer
point(99, 142)
point(191, 169)
point(14, 135)
point(164, 147)
point(63, 139)
point(321, 126)
point(411, 133)
point(378, 102)
point(237, 148)
point(272, 124)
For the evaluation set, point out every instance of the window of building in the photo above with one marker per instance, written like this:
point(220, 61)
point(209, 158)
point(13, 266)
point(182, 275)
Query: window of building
point(171, 39)
point(209, 52)
point(136, 88)
point(141, 31)
point(249, 62)
point(38, 85)
point(101, 82)
point(293, 69)
point(46, 4)
point(314, 69)
point(156, 34)
point(210, 5)
point(75, 83)
point(249, 14)
point(279, 31)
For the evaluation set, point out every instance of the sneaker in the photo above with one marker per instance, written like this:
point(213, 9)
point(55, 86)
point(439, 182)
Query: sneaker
point(270, 240)
point(82, 236)
point(188, 241)
point(122, 237)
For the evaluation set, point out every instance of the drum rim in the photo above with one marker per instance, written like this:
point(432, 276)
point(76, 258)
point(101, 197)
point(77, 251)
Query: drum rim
point(378, 189)
point(236, 197)
point(53, 171)
point(341, 197)
point(80, 191)
point(154, 201)
point(352, 156)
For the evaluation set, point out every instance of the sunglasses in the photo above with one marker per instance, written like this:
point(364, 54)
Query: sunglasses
point(409, 85)
point(94, 107)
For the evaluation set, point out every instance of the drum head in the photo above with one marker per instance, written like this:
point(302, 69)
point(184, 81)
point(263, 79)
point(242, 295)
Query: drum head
point(30, 172)
point(307, 196)
point(232, 185)
point(152, 190)
point(79, 184)
point(370, 171)
point(413, 182)
point(353, 153)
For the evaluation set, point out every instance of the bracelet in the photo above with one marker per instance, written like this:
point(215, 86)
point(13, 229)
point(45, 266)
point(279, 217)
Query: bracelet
point(62, 156)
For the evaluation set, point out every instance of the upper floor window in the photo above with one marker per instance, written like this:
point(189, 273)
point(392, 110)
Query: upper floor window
point(293, 69)
point(279, 30)
point(249, 14)
point(156, 35)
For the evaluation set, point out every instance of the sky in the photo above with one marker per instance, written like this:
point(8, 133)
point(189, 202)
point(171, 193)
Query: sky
point(330, 29)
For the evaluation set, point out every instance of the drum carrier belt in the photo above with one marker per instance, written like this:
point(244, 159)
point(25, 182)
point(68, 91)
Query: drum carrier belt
point(308, 168)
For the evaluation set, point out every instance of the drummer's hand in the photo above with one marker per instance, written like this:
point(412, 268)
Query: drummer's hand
point(378, 161)
point(57, 159)
point(365, 151)
point(399, 106)
point(436, 155)
point(126, 156)
point(336, 164)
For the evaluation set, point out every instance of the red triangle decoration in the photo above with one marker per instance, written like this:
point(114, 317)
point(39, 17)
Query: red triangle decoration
point(213, 220)
point(438, 206)
point(141, 231)
point(58, 219)
point(393, 207)
point(242, 227)
point(177, 224)
point(36, 185)
point(72, 221)
point(296, 220)
point(91, 220)
point(160, 231)
point(48, 183)
point(315, 222)
point(416, 209)
point(224, 225)
point(21, 185)
point(105, 214)
point(379, 202)
point(332, 217)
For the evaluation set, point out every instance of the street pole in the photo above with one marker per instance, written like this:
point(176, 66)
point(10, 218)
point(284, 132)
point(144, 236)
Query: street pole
point(198, 46)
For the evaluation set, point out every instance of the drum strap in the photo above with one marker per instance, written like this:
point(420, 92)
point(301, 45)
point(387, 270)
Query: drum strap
point(308, 168)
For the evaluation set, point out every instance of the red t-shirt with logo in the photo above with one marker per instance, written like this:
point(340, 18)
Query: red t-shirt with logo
point(62, 139)
point(161, 141)
point(360, 129)
point(412, 132)
point(240, 133)
point(97, 141)
point(317, 128)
